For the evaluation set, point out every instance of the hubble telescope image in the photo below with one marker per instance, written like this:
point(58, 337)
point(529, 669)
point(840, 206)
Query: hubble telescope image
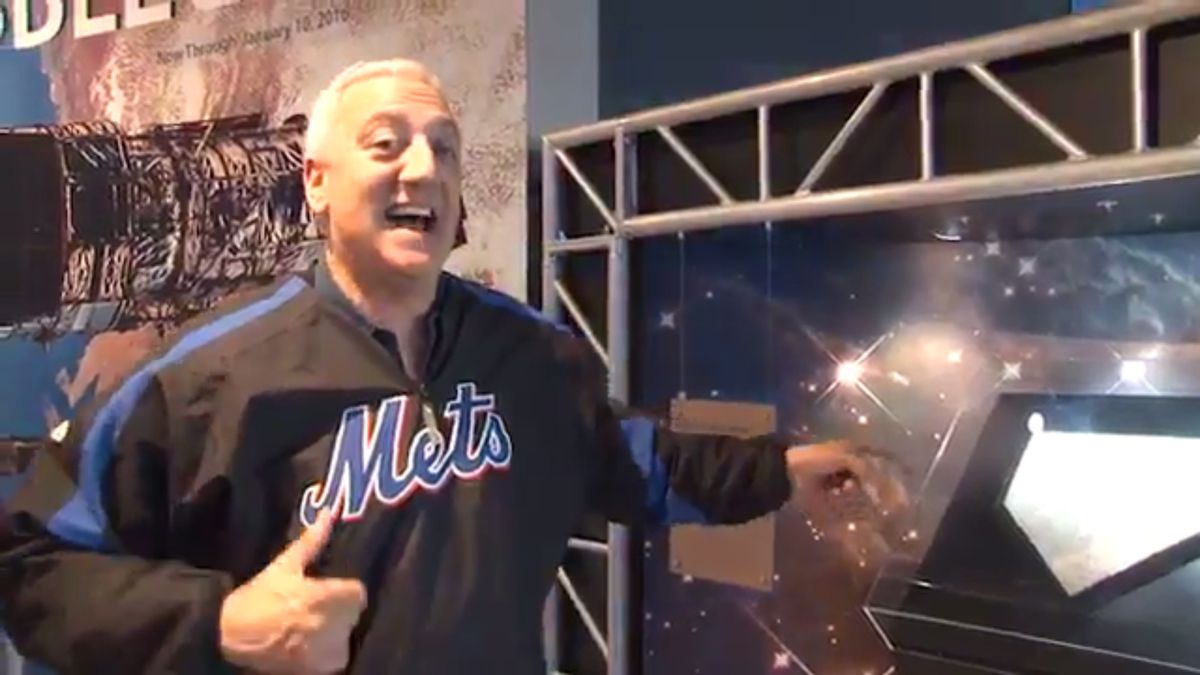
point(1036, 396)
point(107, 230)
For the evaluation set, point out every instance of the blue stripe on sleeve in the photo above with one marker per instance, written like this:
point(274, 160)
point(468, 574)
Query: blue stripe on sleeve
point(82, 520)
point(663, 505)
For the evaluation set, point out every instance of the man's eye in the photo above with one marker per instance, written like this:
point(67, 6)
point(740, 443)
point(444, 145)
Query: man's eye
point(385, 143)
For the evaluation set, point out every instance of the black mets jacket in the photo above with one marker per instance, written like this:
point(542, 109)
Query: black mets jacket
point(192, 475)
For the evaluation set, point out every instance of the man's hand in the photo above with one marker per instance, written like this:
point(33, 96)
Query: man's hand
point(283, 621)
point(841, 465)
point(848, 495)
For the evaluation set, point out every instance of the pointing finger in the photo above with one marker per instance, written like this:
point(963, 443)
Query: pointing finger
point(308, 546)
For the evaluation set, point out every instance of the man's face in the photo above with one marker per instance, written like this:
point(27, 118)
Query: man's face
point(393, 152)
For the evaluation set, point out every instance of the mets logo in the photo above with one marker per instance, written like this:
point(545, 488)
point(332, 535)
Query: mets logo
point(371, 461)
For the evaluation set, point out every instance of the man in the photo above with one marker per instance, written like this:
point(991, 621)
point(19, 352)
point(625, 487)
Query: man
point(374, 469)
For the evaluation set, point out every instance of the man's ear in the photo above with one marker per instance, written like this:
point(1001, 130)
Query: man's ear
point(315, 187)
point(460, 237)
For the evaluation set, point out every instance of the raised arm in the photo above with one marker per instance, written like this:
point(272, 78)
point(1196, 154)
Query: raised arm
point(644, 472)
point(655, 475)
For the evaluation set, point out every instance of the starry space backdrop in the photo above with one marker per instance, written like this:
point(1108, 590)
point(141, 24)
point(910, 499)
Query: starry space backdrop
point(900, 345)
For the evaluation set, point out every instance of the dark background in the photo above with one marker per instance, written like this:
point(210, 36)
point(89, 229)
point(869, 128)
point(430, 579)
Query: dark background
point(662, 52)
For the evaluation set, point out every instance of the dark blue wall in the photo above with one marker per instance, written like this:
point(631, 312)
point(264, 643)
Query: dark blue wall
point(654, 53)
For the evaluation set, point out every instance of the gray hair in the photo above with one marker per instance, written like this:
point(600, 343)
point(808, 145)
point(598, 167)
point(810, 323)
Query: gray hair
point(320, 121)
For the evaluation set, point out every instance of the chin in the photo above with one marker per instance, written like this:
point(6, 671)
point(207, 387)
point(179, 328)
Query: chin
point(409, 263)
point(408, 253)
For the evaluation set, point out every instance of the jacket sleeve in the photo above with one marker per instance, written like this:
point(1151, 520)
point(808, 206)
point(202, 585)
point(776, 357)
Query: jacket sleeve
point(84, 583)
point(649, 474)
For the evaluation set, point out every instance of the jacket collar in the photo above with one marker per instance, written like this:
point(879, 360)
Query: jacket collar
point(329, 291)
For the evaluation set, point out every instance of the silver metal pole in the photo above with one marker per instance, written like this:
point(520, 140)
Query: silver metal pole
point(586, 185)
point(697, 167)
point(926, 113)
point(998, 46)
point(588, 545)
point(576, 313)
point(618, 353)
point(1152, 164)
point(764, 193)
point(618, 535)
point(843, 136)
point(1137, 50)
point(551, 637)
point(1026, 111)
point(551, 213)
point(764, 152)
point(621, 191)
point(580, 606)
point(551, 230)
point(595, 242)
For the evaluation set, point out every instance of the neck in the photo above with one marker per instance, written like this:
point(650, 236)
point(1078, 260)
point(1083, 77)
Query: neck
point(397, 310)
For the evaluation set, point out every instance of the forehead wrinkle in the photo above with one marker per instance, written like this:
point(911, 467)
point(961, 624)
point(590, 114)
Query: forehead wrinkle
point(403, 91)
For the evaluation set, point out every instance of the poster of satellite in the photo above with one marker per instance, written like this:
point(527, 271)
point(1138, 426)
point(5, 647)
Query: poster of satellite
point(152, 170)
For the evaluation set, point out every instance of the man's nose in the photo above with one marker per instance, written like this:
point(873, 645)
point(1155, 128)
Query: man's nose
point(419, 161)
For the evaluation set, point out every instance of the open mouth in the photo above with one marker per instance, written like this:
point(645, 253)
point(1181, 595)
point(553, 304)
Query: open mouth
point(410, 216)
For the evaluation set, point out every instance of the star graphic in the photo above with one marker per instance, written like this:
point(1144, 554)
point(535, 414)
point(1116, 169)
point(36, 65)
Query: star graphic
point(1012, 371)
point(667, 320)
point(781, 661)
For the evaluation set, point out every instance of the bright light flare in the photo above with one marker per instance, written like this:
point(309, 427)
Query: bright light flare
point(849, 372)
point(1133, 372)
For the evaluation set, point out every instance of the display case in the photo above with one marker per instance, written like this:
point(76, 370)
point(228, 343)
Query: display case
point(980, 262)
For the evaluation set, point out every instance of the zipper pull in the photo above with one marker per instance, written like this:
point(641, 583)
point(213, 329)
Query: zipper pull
point(431, 421)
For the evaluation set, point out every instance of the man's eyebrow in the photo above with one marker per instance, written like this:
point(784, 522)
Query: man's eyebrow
point(381, 116)
point(440, 124)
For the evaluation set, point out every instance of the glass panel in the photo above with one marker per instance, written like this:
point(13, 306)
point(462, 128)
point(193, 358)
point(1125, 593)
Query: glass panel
point(1037, 389)
point(704, 299)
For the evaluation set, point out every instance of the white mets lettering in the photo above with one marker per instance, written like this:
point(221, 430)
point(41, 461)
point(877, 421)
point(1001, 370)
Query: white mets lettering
point(370, 461)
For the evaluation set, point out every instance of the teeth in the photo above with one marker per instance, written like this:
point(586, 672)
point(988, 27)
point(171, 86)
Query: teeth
point(407, 215)
point(409, 211)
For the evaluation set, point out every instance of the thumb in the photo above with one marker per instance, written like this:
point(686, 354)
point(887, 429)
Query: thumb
point(308, 546)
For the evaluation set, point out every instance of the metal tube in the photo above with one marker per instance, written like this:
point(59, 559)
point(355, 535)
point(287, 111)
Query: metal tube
point(883, 636)
point(552, 609)
point(926, 114)
point(576, 313)
point(587, 187)
point(695, 165)
point(618, 535)
point(764, 152)
point(551, 641)
point(588, 545)
point(550, 230)
point(596, 242)
point(588, 621)
point(1026, 111)
point(1137, 50)
point(843, 135)
point(618, 352)
point(907, 194)
point(764, 193)
point(1073, 29)
point(621, 187)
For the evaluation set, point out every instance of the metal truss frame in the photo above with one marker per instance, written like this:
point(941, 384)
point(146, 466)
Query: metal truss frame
point(1077, 169)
